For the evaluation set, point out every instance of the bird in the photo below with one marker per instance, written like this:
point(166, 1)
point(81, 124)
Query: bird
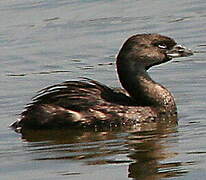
point(88, 103)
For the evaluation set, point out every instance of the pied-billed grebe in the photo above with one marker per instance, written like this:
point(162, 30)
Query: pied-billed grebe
point(88, 103)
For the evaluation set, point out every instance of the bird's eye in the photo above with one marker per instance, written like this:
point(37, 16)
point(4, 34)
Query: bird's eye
point(162, 46)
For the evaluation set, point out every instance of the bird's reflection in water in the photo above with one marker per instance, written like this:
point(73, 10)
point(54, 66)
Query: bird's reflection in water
point(149, 148)
point(145, 148)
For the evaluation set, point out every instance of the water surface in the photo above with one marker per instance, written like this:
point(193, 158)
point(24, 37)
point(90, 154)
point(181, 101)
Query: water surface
point(47, 42)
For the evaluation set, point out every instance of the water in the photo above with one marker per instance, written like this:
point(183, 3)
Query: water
point(47, 42)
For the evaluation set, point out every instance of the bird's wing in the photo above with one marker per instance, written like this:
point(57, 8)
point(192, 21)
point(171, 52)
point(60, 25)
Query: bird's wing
point(79, 95)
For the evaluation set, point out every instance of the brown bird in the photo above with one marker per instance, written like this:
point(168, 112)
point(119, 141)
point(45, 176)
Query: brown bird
point(90, 104)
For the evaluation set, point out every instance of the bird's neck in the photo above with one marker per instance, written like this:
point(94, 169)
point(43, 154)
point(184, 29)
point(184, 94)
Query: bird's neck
point(142, 88)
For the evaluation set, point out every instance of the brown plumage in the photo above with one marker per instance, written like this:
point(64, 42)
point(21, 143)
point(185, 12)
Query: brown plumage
point(88, 103)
